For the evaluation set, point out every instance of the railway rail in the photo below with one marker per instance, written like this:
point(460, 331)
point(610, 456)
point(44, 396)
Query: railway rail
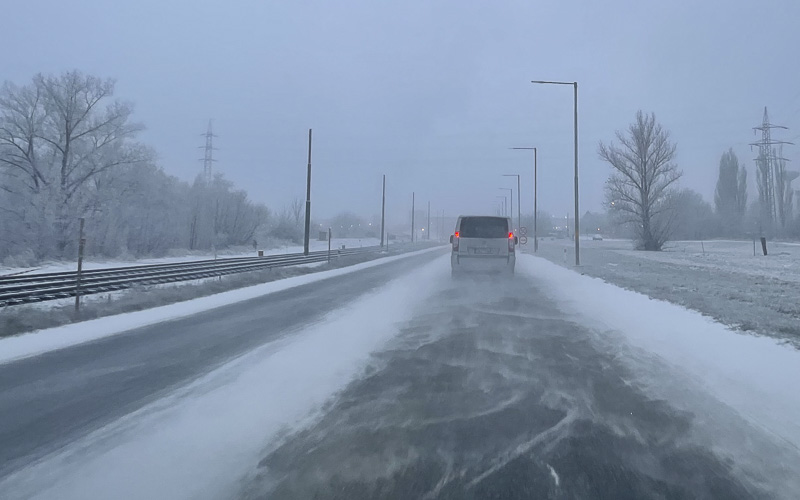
point(39, 287)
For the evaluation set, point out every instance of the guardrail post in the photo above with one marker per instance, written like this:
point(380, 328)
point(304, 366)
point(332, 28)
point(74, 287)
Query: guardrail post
point(329, 245)
point(81, 243)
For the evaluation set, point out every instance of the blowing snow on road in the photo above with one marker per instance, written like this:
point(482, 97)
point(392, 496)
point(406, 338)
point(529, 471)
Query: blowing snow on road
point(396, 381)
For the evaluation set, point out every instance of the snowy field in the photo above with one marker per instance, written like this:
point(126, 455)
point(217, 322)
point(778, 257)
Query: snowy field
point(722, 279)
point(55, 267)
point(781, 262)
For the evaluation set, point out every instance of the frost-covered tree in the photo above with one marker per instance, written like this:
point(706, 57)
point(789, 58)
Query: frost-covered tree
point(784, 194)
point(637, 192)
point(593, 223)
point(57, 134)
point(298, 212)
point(221, 215)
point(139, 210)
point(288, 226)
point(730, 197)
point(348, 225)
point(68, 150)
point(693, 217)
point(544, 224)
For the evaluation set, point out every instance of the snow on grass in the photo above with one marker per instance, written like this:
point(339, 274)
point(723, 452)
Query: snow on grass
point(196, 443)
point(719, 278)
point(782, 261)
point(90, 264)
point(756, 376)
point(32, 344)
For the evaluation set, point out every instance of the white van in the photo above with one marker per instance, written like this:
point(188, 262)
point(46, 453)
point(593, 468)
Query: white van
point(483, 243)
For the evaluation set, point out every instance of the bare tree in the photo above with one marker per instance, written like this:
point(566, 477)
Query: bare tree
point(638, 190)
point(67, 150)
point(221, 215)
point(694, 217)
point(21, 118)
point(298, 210)
point(57, 134)
point(784, 193)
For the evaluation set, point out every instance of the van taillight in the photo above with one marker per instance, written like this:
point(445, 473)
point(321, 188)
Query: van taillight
point(510, 242)
point(455, 242)
point(511, 236)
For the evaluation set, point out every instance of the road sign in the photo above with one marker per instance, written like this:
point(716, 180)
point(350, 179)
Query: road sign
point(523, 231)
point(523, 240)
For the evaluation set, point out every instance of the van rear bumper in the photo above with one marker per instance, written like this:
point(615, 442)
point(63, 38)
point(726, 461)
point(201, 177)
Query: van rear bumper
point(479, 263)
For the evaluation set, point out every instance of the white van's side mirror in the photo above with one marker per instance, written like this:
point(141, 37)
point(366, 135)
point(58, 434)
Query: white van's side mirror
point(516, 240)
point(451, 239)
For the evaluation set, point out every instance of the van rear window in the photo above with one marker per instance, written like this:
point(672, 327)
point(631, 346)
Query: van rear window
point(484, 227)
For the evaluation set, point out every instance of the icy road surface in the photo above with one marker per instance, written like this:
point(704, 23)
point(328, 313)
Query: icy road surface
point(399, 382)
point(65, 407)
point(521, 389)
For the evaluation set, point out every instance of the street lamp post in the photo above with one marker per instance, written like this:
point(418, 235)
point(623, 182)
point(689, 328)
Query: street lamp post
point(519, 208)
point(307, 235)
point(535, 195)
point(575, 116)
point(503, 205)
point(511, 205)
point(413, 208)
point(429, 221)
point(383, 209)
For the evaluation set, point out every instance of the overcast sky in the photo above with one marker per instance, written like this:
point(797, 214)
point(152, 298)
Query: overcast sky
point(431, 93)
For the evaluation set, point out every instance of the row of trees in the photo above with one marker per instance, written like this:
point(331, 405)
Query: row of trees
point(68, 150)
point(59, 141)
point(644, 201)
point(730, 197)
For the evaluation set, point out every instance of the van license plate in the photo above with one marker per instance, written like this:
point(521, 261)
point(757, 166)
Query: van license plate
point(484, 251)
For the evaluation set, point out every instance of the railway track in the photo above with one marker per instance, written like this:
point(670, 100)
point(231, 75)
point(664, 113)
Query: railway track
point(18, 289)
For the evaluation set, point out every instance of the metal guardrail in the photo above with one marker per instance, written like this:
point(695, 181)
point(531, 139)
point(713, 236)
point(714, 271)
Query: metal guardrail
point(41, 287)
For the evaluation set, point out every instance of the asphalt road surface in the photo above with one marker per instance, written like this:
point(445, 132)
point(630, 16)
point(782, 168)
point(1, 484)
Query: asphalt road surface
point(491, 392)
point(49, 401)
point(488, 391)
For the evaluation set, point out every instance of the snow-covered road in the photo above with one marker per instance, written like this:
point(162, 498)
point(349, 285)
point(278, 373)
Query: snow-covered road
point(90, 381)
point(397, 382)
